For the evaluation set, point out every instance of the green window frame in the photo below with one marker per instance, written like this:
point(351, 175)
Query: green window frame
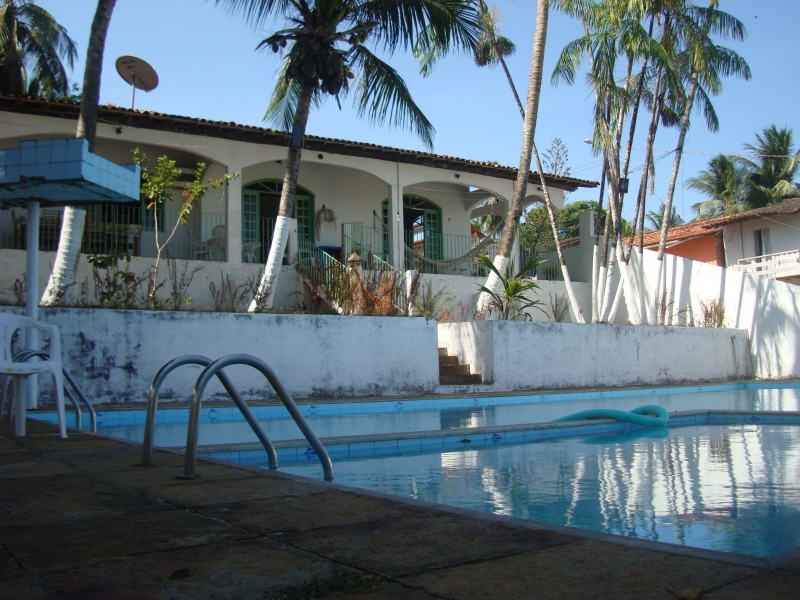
point(303, 209)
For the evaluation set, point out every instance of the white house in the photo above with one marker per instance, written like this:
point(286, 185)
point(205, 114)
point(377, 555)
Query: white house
point(764, 241)
point(346, 192)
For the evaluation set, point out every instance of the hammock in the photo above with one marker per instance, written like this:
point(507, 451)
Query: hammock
point(474, 251)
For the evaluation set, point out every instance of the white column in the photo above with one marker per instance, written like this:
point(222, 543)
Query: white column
point(396, 251)
point(233, 219)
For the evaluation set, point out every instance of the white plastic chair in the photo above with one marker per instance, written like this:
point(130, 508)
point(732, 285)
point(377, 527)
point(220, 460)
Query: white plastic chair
point(249, 252)
point(9, 323)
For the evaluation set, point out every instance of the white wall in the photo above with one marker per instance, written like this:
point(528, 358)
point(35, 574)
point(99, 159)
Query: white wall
point(12, 267)
point(767, 309)
point(514, 355)
point(465, 290)
point(114, 355)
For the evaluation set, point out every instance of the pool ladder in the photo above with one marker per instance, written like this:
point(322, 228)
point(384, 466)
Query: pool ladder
point(26, 355)
point(215, 368)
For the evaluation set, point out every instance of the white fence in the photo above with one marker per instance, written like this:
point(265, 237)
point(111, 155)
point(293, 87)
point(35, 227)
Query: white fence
point(774, 266)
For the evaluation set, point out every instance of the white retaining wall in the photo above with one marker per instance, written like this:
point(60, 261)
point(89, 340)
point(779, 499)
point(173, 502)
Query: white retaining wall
point(768, 309)
point(515, 355)
point(114, 354)
point(287, 295)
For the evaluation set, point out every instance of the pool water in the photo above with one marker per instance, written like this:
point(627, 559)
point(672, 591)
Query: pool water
point(225, 425)
point(731, 488)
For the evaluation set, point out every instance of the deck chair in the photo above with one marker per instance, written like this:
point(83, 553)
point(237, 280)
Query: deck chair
point(10, 323)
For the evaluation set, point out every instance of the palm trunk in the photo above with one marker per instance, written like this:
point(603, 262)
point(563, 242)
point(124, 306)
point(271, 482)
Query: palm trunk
point(266, 289)
point(655, 110)
point(596, 250)
point(69, 241)
point(662, 244)
point(523, 173)
point(635, 109)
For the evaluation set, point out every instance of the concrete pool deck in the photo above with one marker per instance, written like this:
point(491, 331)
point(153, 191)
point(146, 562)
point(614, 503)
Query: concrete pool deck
point(79, 518)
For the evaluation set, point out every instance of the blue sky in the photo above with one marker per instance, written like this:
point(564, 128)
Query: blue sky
point(208, 68)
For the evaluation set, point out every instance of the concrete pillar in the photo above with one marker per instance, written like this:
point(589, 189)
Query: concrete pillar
point(396, 251)
point(234, 216)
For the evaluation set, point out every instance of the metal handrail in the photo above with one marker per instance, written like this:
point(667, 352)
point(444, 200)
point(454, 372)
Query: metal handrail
point(26, 355)
point(152, 407)
point(251, 361)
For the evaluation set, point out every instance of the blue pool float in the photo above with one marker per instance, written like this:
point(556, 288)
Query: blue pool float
point(646, 416)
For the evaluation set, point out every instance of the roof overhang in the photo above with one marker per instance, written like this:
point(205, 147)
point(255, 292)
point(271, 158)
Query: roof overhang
point(258, 135)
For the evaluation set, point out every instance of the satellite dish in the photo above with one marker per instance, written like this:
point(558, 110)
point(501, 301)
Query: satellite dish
point(138, 73)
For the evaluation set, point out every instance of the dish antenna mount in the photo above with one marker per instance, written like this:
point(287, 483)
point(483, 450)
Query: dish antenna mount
point(138, 73)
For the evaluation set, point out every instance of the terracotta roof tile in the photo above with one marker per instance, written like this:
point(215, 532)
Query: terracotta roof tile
point(147, 119)
point(697, 229)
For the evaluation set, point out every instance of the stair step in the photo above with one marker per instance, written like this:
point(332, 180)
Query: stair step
point(447, 360)
point(460, 379)
point(454, 370)
point(442, 351)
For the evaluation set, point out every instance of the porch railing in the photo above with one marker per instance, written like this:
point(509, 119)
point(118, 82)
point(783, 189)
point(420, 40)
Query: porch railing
point(366, 242)
point(550, 269)
point(324, 271)
point(446, 247)
point(774, 266)
point(124, 230)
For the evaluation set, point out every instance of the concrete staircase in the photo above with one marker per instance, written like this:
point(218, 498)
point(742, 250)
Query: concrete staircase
point(452, 373)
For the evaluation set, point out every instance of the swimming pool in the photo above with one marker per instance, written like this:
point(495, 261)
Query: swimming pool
point(713, 479)
point(732, 488)
point(223, 425)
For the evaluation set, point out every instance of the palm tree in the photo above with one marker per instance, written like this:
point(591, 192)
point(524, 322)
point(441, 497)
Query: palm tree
point(491, 48)
point(705, 64)
point(69, 241)
point(323, 51)
point(771, 172)
point(32, 48)
point(656, 217)
point(724, 185)
point(611, 28)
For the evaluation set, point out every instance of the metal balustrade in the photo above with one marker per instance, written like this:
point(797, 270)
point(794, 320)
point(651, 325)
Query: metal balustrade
point(550, 268)
point(773, 266)
point(123, 230)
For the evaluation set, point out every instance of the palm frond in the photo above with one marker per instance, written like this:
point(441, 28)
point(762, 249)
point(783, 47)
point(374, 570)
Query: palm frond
point(254, 12)
point(399, 24)
point(382, 94)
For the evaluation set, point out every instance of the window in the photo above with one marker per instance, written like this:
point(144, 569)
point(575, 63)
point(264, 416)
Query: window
point(763, 243)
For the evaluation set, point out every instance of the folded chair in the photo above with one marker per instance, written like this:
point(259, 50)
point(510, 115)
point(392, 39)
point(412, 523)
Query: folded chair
point(9, 323)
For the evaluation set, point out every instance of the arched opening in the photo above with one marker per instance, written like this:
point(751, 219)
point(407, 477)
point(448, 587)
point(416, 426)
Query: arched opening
point(260, 204)
point(422, 226)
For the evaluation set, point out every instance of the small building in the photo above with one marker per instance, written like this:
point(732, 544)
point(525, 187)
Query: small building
point(764, 241)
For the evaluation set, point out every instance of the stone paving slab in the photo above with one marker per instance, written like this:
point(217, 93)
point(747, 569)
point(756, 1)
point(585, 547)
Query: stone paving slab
point(586, 569)
point(77, 541)
point(80, 518)
point(420, 542)
point(67, 497)
point(280, 514)
point(250, 569)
